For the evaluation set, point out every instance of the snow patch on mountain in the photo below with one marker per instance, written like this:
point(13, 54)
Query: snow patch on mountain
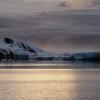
point(13, 48)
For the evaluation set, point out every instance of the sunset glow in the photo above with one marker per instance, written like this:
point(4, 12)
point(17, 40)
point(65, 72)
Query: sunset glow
point(79, 3)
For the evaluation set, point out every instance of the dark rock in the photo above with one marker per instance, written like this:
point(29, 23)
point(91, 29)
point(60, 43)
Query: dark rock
point(8, 40)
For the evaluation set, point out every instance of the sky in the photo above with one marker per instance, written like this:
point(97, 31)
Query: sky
point(53, 25)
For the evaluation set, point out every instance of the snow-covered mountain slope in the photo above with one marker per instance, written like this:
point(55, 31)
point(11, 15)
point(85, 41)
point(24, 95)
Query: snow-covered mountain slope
point(17, 49)
point(12, 48)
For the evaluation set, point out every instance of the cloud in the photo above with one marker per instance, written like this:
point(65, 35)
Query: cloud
point(64, 4)
point(56, 31)
point(33, 6)
point(61, 30)
point(79, 4)
point(27, 6)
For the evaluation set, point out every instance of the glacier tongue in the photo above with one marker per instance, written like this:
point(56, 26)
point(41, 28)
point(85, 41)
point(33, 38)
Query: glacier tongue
point(13, 48)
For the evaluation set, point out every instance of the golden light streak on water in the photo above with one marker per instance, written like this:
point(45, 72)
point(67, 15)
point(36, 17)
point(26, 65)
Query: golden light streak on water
point(36, 74)
point(49, 84)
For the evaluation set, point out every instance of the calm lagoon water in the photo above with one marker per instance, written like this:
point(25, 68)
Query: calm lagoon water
point(50, 83)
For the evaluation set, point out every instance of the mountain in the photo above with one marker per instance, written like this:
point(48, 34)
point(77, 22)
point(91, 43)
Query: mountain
point(17, 49)
point(84, 56)
point(13, 48)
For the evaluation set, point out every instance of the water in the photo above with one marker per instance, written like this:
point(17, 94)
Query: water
point(50, 84)
point(34, 64)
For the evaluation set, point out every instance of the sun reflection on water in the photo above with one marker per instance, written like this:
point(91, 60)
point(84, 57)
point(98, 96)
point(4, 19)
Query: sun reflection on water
point(37, 74)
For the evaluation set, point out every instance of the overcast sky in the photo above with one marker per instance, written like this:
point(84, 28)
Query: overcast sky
point(31, 6)
point(59, 25)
